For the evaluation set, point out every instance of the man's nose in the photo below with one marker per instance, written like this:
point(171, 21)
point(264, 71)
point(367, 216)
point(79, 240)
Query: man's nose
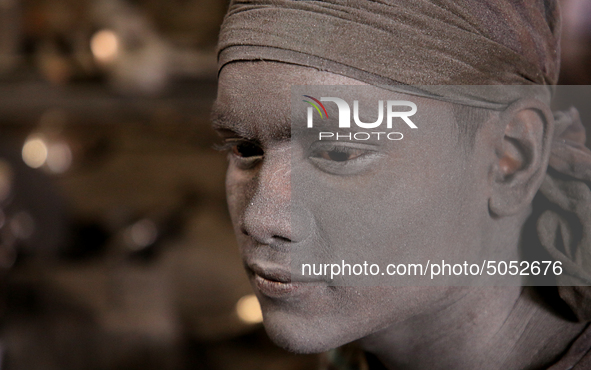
point(268, 215)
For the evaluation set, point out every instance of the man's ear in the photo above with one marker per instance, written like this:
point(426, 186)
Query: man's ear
point(521, 156)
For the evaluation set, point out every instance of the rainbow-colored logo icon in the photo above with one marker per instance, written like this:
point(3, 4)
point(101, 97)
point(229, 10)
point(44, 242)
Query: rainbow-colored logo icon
point(316, 104)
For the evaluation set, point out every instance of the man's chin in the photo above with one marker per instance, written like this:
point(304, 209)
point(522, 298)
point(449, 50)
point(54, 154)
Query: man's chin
point(305, 336)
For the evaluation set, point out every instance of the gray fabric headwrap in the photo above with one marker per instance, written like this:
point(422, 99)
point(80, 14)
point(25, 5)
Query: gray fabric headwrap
point(564, 227)
point(400, 44)
point(404, 42)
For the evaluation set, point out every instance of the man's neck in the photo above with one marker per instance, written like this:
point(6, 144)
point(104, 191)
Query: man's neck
point(487, 328)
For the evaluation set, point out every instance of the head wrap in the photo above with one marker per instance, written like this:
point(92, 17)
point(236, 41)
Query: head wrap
point(403, 42)
point(418, 45)
point(564, 212)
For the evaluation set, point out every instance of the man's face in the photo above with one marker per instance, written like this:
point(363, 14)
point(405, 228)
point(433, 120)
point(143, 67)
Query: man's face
point(414, 199)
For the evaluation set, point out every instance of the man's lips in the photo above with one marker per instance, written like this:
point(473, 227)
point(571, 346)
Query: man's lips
point(275, 281)
point(270, 272)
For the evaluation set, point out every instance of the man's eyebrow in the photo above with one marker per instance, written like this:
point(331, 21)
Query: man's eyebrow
point(226, 120)
point(219, 118)
point(223, 122)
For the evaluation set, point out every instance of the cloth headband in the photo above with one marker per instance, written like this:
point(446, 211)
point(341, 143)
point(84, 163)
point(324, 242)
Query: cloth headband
point(404, 42)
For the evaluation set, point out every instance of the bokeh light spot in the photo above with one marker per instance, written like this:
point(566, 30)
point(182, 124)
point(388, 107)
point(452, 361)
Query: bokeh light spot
point(34, 152)
point(249, 309)
point(105, 46)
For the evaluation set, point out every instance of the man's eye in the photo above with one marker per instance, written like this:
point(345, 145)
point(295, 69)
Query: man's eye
point(339, 154)
point(343, 158)
point(246, 149)
point(245, 153)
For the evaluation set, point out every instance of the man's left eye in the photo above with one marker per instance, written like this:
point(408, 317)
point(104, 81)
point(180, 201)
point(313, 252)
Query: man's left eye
point(343, 158)
point(339, 154)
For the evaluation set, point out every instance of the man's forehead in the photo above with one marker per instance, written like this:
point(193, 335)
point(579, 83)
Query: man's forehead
point(251, 106)
point(254, 98)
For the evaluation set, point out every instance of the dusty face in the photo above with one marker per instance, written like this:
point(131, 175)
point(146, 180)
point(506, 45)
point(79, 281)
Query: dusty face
point(419, 198)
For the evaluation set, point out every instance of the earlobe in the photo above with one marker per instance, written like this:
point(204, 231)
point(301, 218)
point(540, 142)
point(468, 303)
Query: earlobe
point(521, 156)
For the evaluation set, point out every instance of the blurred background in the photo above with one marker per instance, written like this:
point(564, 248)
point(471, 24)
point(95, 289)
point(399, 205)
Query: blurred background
point(116, 250)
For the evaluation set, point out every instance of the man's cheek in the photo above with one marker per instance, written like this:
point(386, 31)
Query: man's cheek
point(237, 199)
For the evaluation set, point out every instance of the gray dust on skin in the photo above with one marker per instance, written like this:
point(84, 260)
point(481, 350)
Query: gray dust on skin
point(445, 204)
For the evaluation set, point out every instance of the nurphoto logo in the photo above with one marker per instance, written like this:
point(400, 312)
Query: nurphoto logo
point(344, 117)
